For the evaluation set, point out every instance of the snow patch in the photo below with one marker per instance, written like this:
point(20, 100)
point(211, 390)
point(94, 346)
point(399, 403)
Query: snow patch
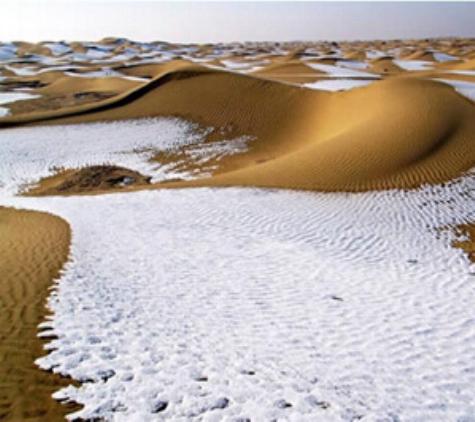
point(338, 84)
point(340, 72)
point(467, 89)
point(129, 143)
point(11, 97)
point(443, 57)
point(414, 64)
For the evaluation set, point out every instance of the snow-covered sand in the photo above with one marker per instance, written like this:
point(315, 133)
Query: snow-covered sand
point(228, 304)
point(129, 144)
point(105, 73)
point(463, 72)
point(11, 97)
point(352, 64)
point(338, 84)
point(341, 72)
point(443, 57)
point(467, 89)
point(414, 65)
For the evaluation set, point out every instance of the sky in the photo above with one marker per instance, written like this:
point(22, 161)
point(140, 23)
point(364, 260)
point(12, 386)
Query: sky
point(39, 20)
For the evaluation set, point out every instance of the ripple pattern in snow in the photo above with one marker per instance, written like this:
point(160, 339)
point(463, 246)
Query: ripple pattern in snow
point(234, 303)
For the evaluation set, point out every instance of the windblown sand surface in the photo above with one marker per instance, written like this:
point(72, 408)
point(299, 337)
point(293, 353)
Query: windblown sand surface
point(33, 248)
point(351, 117)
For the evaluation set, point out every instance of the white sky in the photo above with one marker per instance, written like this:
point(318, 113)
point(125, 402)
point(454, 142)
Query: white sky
point(36, 20)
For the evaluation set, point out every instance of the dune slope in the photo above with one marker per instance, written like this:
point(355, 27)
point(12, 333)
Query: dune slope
point(33, 247)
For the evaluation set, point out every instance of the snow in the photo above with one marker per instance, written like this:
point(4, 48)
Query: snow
point(7, 52)
point(129, 144)
point(58, 48)
point(45, 60)
point(89, 55)
point(249, 66)
point(340, 72)
point(338, 84)
point(463, 72)
point(220, 304)
point(32, 71)
point(105, 73)
point(467, 89)
point(124, 56)
point(375, 54)
point(11, 97)
point(443, 57)
point(235, 65)
point(352, 64)
point(23, 71)
point(413, 64)
point(97, 52)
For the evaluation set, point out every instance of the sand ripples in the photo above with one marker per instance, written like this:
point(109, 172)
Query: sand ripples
point(33, 248)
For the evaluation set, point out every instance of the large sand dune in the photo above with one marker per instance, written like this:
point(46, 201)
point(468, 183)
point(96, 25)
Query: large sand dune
point(399, 132)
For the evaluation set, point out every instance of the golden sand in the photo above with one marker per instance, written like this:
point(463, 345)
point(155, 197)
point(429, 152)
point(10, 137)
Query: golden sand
point(468, 245)
point(72, 84)
point(385, 66)
point(290, 71)
point(33, 247)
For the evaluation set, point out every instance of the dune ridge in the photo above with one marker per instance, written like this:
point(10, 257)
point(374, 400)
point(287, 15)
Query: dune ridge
point(395, 133)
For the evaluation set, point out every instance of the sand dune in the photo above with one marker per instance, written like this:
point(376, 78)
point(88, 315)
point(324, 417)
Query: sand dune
point(385, 65)
point(26, 48)
point(400, 132)
point(355, 55)
point(152, 70)
point(70, 84)
point(290, 71)
point(33, 247)
point(420, 55)
point(461, 65)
